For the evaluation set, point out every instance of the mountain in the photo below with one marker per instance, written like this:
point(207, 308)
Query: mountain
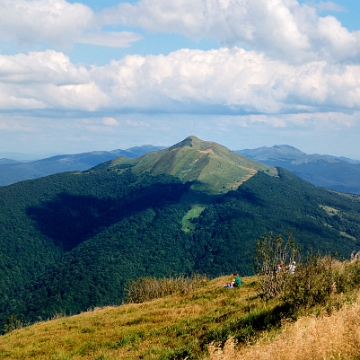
point(341, 174)
point(72, 241)
point(5, 161)
point(12, 171)
point(210, 167)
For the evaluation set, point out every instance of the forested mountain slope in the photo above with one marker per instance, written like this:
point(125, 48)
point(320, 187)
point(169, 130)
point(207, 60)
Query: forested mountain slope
point(71, 241)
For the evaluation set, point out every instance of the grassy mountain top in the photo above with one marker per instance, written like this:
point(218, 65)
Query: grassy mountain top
point(211, 167)
point(191, 325)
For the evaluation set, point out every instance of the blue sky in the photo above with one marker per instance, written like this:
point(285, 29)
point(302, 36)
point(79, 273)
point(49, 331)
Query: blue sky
point(80, 76)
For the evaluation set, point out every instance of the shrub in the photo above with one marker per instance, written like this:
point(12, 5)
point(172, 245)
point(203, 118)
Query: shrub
point(349, 278)
point(12, 323)
point(313, 282)
point(272, 256)
point(148, 288)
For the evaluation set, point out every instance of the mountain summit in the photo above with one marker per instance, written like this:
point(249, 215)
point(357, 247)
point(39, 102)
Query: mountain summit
point(212, 168)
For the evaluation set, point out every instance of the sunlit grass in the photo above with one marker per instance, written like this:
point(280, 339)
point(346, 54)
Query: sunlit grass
point(193, 213)
point(209, 322)
point(317, 338)
point(170, 327)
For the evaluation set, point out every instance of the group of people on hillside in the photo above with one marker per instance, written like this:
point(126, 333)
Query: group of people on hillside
point(236, 280)
point(291, 267)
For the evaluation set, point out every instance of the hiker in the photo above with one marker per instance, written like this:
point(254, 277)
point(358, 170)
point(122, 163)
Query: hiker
point(292, 267)
point(278, 267)
point(235, 282)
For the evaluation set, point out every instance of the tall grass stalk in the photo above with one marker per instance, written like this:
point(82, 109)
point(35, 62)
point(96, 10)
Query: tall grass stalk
point(327, 337)
point(148, 288)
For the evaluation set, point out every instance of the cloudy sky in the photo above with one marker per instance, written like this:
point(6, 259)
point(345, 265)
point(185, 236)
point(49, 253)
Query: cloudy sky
point(104, 75)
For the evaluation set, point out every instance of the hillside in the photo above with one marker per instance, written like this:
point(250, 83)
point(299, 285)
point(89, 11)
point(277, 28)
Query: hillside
point(340, 174)
point(13, 171)
point(72, 241)
point(210, 167)
point(204, 322)
point(178, 326)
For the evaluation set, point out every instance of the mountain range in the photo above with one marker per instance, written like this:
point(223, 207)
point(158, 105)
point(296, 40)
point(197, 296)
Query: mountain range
point(71, 241)
point(337, 173)
point(12, 171)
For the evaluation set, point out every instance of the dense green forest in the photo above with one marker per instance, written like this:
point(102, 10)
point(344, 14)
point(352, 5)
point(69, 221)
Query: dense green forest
point(71, 241)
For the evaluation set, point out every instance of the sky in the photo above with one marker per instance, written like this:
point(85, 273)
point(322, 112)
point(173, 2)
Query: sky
point(79, 76)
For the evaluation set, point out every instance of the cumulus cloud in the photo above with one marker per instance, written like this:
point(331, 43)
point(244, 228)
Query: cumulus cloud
point(47, 80)
point(55, 22)
point(282, 28)
point(52, 21)
point(224, 80)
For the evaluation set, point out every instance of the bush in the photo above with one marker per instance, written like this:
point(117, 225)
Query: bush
point(272, 256)
point(313, 282)
point(349, 278)
point(148, 288)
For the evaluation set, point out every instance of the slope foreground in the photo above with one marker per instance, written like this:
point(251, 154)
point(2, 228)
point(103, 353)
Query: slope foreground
point(191, 326)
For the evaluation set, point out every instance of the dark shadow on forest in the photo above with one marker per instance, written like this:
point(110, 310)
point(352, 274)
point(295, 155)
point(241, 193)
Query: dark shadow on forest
point(70, 219)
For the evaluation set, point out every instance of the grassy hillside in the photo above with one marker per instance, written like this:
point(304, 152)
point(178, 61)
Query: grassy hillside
point(206, 322)
point(171, 327)
point(210, 167)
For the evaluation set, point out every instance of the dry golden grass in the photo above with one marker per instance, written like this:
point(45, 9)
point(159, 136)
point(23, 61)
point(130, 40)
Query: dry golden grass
point(316, 338)
point(160, 329)
point(181, 327)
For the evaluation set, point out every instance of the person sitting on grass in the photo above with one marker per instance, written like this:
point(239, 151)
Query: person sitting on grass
point(235, 282)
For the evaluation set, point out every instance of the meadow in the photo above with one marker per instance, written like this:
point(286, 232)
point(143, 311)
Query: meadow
point(201, 319)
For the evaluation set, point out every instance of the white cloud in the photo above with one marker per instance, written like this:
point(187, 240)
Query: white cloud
point(41, 67)
point(47, 80)
point(51, 21)
point(222, 81)
point(282, 28)
point(109, 121)
point(55, 22)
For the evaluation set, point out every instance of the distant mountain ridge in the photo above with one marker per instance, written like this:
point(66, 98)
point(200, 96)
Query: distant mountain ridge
point(337, 173)
point(12, 171)
point(289, 153)
point(341, 174)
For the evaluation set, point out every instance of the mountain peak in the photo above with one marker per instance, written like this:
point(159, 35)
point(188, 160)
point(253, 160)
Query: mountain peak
point(211, 167)
point(191, 141)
